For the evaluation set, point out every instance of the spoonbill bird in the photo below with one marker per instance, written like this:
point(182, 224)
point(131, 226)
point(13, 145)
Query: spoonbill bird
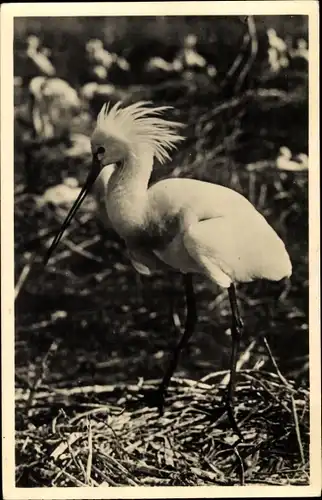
point(185, 224)
point(54, 104)
point(39, 56)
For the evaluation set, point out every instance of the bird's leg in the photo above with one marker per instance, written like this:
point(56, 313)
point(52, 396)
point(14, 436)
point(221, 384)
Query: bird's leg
point(236, 333)
point(191, 319)
point(173, 316)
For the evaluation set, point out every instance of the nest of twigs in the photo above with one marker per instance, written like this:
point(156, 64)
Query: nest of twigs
point(108, 435)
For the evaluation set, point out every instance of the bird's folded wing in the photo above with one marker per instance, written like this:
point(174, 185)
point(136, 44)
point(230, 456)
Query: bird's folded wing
point(206, 243)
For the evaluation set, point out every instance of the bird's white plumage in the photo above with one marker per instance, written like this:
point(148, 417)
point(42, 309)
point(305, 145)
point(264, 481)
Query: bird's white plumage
point(186, 224)
point(223, 233)
point(139, 124)
point(55, 105)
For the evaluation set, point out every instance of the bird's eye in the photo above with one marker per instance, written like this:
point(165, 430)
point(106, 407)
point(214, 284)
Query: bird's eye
point(101, 150)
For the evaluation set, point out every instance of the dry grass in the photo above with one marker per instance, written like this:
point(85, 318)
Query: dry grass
point(107, 435)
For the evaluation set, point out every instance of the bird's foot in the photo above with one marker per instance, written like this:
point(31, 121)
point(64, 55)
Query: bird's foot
point(155, 398)
point(228, 408)
point(219, 413)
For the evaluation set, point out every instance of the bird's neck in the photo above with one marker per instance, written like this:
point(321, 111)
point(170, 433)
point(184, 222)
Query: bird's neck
point(127, 192)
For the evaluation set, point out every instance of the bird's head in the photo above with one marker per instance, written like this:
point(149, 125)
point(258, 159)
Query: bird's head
point(119, 133)
point(107, 148)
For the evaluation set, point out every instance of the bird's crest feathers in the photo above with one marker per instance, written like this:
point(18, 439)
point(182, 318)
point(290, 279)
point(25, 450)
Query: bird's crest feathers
point(138, 123)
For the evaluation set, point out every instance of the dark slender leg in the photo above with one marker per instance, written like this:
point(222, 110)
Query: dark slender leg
point(172, 309)
point(191, 320)
point(236, 333)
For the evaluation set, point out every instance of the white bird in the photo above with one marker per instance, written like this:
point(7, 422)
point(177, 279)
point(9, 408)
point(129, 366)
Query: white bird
point(91, 89)
point(275, 41)
point(189, 54)
point(80, 146)
point(123, 63)
point(39, 57)
point(100, 72)
point(94, 44)
point(184, 224)
point(303, 159)
point(97, 53)
point(54, 104)
point(284, 161)
point(157, 63)
point(63, 195)
point(301, 50)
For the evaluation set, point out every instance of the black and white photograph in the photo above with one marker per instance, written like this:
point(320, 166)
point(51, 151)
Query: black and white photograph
point(160, 250)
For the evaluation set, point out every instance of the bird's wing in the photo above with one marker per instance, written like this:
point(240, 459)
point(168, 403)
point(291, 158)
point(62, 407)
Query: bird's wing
point(237, 249)
point(207, 247)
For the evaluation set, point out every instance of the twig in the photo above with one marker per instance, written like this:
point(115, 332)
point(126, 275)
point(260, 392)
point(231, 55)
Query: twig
point(251, 377)
point(237, 62)
point(107, 479)
point(244, 358)
point(241, 465)
point(281, 377)
point(73, 479)
point(262, 196)
point(60, 472)
point(24, 275)
point(119, 466)
point(90, 454)
point(42, 372)
point(101, 409)
point(80, 251)
point(67, 253)
point(63, 445)
point(254, 48)
point(297, 430)
point(261, 93)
